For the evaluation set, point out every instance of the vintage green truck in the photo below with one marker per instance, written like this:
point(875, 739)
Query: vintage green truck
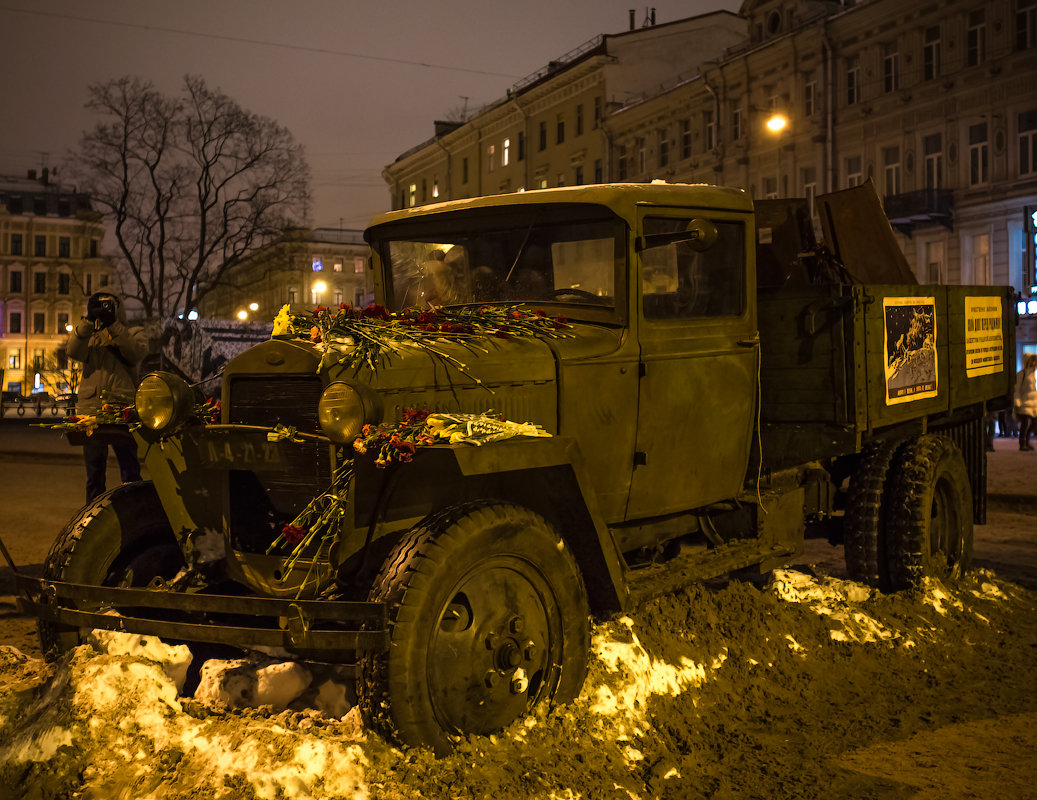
point(721, 386)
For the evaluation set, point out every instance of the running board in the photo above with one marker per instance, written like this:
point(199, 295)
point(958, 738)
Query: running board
point(654, 579)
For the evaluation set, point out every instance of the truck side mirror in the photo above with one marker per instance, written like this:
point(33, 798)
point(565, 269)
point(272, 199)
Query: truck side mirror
point(699, 233)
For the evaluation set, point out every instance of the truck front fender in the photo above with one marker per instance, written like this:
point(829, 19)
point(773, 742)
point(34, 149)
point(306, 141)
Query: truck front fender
point(546, 475)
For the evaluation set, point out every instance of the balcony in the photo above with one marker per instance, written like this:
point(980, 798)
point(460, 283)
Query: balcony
point(920, 209)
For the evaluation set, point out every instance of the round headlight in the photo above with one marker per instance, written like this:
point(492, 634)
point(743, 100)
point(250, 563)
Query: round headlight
point(341, 412)
point(163, 401)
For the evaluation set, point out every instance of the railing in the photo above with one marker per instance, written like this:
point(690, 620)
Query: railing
point(920, 207)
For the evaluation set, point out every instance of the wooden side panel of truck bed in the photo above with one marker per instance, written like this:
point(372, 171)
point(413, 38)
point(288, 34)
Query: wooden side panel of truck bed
point(839, 362)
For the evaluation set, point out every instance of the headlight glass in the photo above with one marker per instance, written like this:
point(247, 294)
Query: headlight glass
point(341, 413)
point(163, 401)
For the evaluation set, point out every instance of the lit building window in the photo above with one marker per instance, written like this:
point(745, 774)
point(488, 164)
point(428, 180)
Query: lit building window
point(505, 157)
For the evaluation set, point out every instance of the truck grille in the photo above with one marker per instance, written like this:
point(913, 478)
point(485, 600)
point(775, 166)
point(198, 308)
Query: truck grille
point(269, 400)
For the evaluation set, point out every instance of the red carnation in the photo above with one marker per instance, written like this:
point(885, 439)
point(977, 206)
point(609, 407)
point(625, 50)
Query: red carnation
point(415, 414)
point(375, 311)
point(293, 534)
point(516, 314)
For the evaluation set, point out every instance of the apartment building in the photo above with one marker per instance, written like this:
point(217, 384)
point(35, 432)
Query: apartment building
point(50, 263)
point(934, 102)
point(548, 128)
point(324, 266)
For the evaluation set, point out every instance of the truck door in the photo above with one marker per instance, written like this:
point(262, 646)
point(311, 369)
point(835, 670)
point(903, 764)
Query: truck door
point(699, 360)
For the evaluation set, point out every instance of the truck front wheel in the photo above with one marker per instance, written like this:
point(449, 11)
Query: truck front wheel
point(929, 517)
point(487, 617)
point(120, 539)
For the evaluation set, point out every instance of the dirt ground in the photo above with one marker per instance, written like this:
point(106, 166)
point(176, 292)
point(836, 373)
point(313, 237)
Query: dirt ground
point(800, 685)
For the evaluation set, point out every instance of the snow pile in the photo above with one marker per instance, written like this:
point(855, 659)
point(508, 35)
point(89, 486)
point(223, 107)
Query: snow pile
point(116, 719)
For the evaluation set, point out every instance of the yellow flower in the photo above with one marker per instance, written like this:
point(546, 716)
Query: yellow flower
point(283, 321)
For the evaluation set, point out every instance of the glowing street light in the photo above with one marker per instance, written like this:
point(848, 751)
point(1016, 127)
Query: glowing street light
point(776, 123)
point(253, 306)
point(320, 287)
point(243, 315)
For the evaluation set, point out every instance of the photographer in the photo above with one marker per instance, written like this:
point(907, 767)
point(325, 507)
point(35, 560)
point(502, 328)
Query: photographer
point(110, 352)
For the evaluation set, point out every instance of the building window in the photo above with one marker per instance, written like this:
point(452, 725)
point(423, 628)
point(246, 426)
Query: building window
point(931, 54)
point(809, 175)
point(976, 38)
point(890, 67)
point(710, 125)
point(1025, 24)
point(40, 247)
point(337, 266)
point(39, 323)
point(736, 124)
point(435, 187)
point(599, 174)
point(578, 177)
point(338, 297)
point(560, 130)
point(642, 155)
point(980, 259)
point(521, 152)
point(16, 281)
point(293, 295)
point(358, 265)
point(685, 139)
point(979, 154)
point(932, 148)
point(89, 283)
point(1028, 143)
point(94, 245)
point(810, 95)
point(505, 156)
point(102, 279)
point(891, 170)
point(854, 176)
point(621, 163)
point(934, 259)
point(579, 119)
point(664, 148)
point(16, 244)
point(770, 188)
point(560, 180)
point(542, 183)
point(597, 112)
point(64, 283)
point(853, 81)
point(490, 151)
point(14, 355)
point(542, 136)
point(62, 322)
point(464, 170)
point(413, 192)
point(14, 322)
point(64, 247)
point(39, 283)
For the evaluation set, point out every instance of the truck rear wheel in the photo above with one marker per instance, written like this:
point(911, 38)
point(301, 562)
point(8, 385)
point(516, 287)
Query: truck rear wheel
point(120, 539)
point(487, 617)
point(929, 524)
point(863, 526)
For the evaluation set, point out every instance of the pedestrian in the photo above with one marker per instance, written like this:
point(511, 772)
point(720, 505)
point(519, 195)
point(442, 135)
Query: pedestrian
point(1026, 399)
point(110, 351)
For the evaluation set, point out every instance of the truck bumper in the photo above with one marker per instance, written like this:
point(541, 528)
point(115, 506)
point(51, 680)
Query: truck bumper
point(325, 630)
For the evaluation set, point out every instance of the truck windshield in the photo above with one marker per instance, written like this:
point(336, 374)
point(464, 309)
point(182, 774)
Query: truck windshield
point(531, 261)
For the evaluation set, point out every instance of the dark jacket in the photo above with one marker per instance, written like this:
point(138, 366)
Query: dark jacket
point(110, 358)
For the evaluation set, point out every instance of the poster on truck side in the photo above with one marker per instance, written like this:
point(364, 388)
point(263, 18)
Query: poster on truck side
point(984, 337)
point(909, 334)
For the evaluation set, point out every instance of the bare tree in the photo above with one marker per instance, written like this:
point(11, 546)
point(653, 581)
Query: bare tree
point(190, 186)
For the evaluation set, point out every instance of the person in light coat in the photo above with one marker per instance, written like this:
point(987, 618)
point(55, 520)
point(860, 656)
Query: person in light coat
point(1026, 399)
point(110, 351)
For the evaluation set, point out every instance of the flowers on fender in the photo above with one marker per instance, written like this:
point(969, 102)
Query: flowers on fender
point(293, 534)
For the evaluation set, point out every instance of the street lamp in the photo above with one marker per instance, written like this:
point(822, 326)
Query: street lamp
point(319, 287)
point(243, 315)
point(253, 306)
point(776, 123)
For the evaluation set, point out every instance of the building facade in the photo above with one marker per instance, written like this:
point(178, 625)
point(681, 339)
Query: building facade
point(934, 103)
point(548, 130)
point(50, 263)
point(325, 266)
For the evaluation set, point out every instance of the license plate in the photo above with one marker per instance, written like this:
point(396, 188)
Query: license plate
point(235, 452)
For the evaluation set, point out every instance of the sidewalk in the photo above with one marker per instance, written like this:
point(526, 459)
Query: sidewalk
point(19, 437)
